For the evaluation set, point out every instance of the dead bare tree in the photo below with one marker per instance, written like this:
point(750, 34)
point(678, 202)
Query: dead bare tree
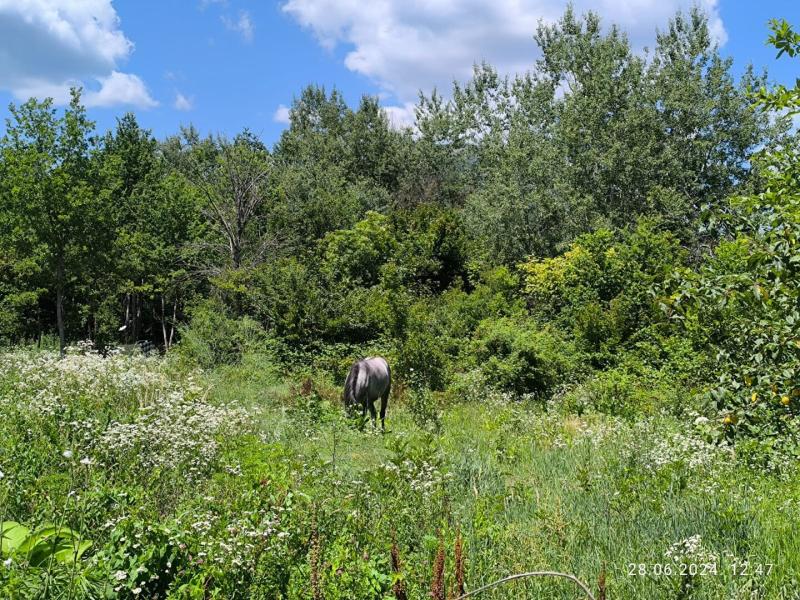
point(233, 178)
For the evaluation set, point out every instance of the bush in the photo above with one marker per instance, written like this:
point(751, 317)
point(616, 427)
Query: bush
point(625, 391)
point(288, 298)
point(423, 360)
point(355, 256)
point(518, 358)
point(742, 308)
point(213, 337)
point(601, 288)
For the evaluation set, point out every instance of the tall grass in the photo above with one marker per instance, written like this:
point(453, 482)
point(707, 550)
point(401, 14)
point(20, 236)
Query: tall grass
point(245, 483)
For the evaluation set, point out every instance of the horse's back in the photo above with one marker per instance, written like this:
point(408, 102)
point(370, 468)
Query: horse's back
point(374, 374)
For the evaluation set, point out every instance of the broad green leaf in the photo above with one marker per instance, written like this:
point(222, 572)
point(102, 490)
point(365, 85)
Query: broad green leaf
point(13, 535)
point(61, 543)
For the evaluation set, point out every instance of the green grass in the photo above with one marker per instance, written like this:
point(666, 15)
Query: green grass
point(290, 487)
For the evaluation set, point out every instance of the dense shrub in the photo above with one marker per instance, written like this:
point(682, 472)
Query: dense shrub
point(355, 256)
point(214, 337)
point(631, 390)
point(601, 288)
point(423, 359)
point(287, 297)
point(518, 357)
point(742, 308)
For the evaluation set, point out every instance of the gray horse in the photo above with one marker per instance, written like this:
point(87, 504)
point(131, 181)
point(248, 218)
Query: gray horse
point(368, 380)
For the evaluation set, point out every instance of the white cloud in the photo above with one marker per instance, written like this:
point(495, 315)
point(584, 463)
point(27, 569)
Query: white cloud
point(401, 116)
point(182, 102)
point(408, 45)
point(281, 114)
point(120, 88)
point(243, 25)
point(38, 88)
point(46, 46)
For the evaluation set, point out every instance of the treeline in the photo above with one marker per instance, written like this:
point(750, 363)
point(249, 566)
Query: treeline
point(120, 230)
point(534, 227)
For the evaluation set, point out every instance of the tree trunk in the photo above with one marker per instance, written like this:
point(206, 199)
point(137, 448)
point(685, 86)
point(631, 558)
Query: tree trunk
point(172, 325)
point(164, 324)
point(60, 305)
point(126, 334)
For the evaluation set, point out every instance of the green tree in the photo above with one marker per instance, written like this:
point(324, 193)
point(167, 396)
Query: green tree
point(333, 164)
point(742, 306)
point(52, 207)
point(594, 135)
point(155, 217)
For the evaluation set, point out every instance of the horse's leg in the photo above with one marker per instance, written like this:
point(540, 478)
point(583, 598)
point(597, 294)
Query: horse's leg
point(373, 417)
point(384, 404)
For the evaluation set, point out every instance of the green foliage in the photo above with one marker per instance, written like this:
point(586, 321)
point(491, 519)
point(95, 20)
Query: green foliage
point(51, 211)
point(787, 41)
point(48, 542)
point(355, 256)
point(742, 308)
point(287, 296)
point(423, 360)
point(596, 136)
point(521, 359)
point(601, 289)
point(214, 337)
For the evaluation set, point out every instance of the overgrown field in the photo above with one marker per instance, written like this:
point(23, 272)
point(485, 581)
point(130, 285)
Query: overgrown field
point(243, 482)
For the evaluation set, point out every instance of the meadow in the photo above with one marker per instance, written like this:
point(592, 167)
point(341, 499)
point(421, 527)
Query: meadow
point(584, 278)
point(248, 482)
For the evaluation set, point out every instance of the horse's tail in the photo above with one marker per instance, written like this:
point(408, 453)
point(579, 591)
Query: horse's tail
point(349, 393)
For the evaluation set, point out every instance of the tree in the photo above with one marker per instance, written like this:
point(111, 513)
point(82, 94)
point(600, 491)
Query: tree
point(594, 135)
point(232, 177)
point(742, 306)
point(52, 206)
point(154, 217)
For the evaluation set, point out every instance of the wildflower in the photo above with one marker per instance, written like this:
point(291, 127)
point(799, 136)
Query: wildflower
point(67, 454)
point(2, 474)
point(7, 562)
point(120, 575)
point(785, 400)
point(86, 461)
point(136, 591)
point(754, 398)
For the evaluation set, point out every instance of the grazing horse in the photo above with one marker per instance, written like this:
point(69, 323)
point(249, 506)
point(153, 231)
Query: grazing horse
point(368, 380)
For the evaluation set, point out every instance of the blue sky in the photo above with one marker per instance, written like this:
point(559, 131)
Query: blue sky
point(228, 64)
